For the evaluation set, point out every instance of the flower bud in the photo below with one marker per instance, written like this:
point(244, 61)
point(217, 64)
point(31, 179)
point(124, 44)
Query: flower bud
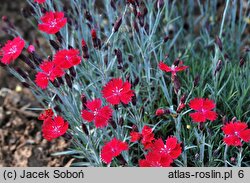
point(141, 19)
point(88, 16)
point(135, 128)
point(85, 53)
point(135, 26)
point(84, 101)
point(54, 44)
point(56, 84)
point(31, 48)
point(177, 85)
point(130, 58)
point(233, 160)
point(181, 107)
point(117, 24)
point(166, 38)
point(27, 61)
point(72, 72)
point(85, 129)
point(22, 73)
point(57, 108)
point(5, 19)
point(37, 43)
point(218, 67)
point(59, 37)
point(218, 42)
point(36, 58)
point(135, 83)
point(159, 112)
point(68, 80)
point(112, 4)
point(159, 4)
point(224, 120)
point(112, 123)
point(196, 80)
point(177, 62)
point(60, 80)
point(118, 54)
point(234, 119)
point(57, 98)
point(242, 62)
point(131, 2)
point(121, 160)
point(183, 98)
point(26, 84)
point(96, 41)
point(43, 10)
point(134, 100)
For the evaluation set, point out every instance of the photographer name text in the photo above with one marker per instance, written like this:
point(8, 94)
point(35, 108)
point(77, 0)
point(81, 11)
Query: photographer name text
point(44, 174)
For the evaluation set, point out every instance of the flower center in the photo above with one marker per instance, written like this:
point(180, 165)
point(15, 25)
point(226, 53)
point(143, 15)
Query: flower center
point(117, 91)
point(203, 110)
point(173, 67)
point(95, 112)
point(165, 150)
point(53, 23)
point(13, 50)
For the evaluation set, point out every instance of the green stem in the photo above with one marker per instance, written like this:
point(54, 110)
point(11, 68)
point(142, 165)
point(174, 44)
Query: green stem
point(223, 19)
point(225, 155)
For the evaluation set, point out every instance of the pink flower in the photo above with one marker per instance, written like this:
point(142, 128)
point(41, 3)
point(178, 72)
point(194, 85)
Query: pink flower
point(112, 149)
point(155, 159)
point(96, 113)
point(49, 73)
point(11, 50)
point(173, 69)
point(67, 58)
point(31, 48)
point(39, 1)
point(235, 133)
point(203, 108)
point(115, 91)
point(52, 22)
point(54, 128)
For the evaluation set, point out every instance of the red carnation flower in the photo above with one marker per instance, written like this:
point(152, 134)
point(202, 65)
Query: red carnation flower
point(11, 50)
point(116, 91)
point(49, 73)
point(100, 115)
point(135, 136)
point(159, 112)
point(155, 159)
point(67, 58)
point(40, 1)
point(173, 69)
point(46, 114)
point(112, 149)
point(235, 133)
point(203, 108)
point(172, 147)
point(162, 155)
point(93, 34)
point(31, 48)
point(54, 128)
point(52, 22)
point(146, 137)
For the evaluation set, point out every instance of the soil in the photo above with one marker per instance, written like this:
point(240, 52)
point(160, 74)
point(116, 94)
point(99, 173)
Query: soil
point(21, 141)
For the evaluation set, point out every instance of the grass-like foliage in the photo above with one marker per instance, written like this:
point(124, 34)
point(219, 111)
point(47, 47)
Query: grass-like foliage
point(140, 82)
